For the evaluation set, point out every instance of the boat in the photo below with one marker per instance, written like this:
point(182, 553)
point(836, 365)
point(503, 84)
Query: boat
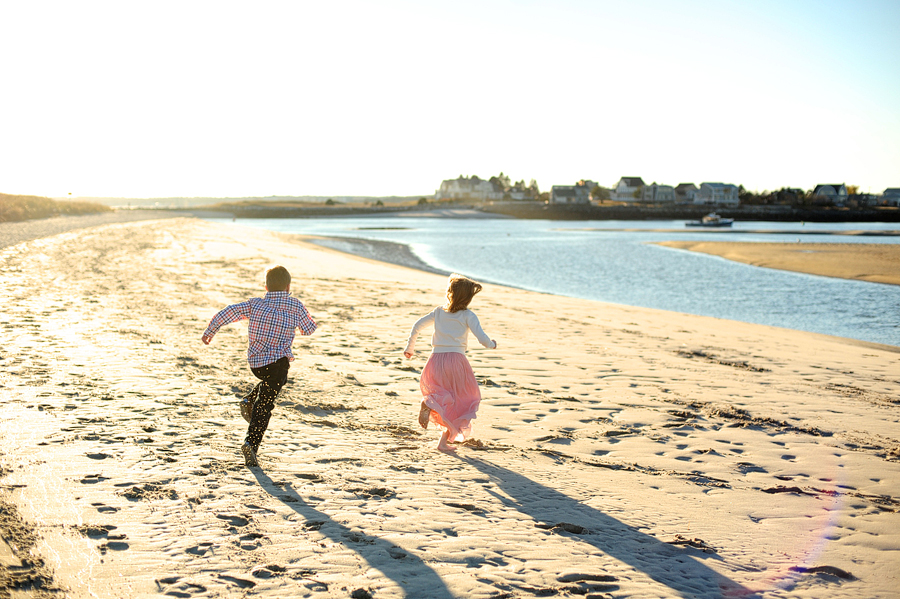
point(710, 220)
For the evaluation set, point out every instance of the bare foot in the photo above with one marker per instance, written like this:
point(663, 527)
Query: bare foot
point(443, 445)
point(424, 415)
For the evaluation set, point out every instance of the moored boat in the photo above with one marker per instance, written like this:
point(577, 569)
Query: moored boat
point(710, 220)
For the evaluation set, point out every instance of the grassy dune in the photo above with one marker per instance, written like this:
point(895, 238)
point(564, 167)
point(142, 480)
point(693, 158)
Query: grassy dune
point(14, 208)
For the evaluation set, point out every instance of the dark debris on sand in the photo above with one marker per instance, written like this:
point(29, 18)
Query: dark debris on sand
point(20, 571)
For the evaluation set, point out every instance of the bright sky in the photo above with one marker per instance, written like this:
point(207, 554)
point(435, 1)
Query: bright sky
point(230, 99)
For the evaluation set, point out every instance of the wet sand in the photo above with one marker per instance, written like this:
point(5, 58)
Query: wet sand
point(618, 451)
point(874, 262)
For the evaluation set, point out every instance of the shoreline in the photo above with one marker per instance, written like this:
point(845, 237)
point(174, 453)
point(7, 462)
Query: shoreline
point(389, 252)
point(872, 263)
point(618, 450)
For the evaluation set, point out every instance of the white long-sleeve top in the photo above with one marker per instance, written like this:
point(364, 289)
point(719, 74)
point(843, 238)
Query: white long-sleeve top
point(451, 331)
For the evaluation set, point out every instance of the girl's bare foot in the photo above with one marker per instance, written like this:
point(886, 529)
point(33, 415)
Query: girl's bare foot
point(424, 415)
point(443, 445)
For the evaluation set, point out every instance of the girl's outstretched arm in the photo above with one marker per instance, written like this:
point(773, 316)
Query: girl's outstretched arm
point(414, 333)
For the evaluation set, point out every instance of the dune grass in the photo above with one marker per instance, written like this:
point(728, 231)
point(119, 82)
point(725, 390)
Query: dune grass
point(15, 208)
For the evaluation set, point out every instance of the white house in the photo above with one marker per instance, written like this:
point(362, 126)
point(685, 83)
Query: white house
point(625, 189)
point(717, 193)
point(468, 188)
point(580, 193)
point(891, 196)
point(830, 193)
point(657, 193)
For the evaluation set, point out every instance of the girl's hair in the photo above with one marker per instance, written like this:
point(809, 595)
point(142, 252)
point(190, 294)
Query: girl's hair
point(460, 291)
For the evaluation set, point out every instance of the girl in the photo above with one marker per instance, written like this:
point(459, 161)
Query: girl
point(450, 391)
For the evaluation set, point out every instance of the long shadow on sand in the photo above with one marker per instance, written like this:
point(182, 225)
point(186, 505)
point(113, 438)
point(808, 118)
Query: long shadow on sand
point(664, 563)
point(389, 559)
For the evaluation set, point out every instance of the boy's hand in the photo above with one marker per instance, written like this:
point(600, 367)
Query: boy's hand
point(206, 339)
point(408, 354)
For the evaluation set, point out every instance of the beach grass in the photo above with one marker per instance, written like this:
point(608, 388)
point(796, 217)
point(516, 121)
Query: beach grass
point(17, 208)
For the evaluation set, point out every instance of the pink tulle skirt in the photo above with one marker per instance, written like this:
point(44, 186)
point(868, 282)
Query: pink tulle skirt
point(449, 388)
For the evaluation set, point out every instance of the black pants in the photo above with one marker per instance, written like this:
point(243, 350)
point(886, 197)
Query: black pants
point(272, 378)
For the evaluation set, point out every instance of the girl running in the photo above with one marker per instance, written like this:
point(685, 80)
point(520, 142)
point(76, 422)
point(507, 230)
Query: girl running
point(450, 392)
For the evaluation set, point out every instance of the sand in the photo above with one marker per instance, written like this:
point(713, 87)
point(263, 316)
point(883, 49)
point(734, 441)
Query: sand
point(620, 452)
point(873, 262)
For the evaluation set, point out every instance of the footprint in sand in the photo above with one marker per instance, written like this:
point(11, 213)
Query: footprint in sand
point(198, 550)
point(105, 509)
point(185, 589)
point(268, 571)
point(747, 467)
point(565, 526)
point(97, 531)
point(237, 521)
point(92, 479)
point(244, 584)
point(113, 546)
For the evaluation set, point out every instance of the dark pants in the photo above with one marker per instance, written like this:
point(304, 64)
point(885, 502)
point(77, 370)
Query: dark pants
point(272, 378)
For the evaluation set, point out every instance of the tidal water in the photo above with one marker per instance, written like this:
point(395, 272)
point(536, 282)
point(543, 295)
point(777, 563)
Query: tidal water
point(616, 261)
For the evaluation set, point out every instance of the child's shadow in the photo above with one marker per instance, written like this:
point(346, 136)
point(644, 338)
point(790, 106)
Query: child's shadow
point(389, 559)
point(664, 563)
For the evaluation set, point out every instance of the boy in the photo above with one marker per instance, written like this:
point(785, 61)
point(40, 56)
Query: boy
point(273, 320)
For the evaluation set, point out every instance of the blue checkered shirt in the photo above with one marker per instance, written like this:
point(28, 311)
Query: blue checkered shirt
point(273, 320)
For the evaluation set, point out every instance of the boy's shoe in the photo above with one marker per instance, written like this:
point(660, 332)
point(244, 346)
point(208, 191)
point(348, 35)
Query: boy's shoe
point(249, 456)
point(247, 408)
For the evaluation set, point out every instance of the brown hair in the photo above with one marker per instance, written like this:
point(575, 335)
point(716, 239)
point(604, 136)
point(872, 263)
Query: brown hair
point(278, 279)
point(460, 291)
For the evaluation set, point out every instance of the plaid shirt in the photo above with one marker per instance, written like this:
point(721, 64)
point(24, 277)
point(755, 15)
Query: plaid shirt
point(273, 320)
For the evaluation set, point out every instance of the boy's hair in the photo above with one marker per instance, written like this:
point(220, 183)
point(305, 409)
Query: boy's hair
point(278, 279)
point(460, 291)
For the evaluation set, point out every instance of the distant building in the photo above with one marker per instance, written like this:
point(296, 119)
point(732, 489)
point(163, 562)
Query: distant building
point(685, 193)
point(657, 193)
point(891, 196)
point(786, 195)
point(468, 188)
point(580, 193)
point(830, 193)
point(861, 200)
point(717, 193)
point(625, 189)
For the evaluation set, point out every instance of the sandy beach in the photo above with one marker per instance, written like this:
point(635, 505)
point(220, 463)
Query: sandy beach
point(873, 262)
point(618, 452)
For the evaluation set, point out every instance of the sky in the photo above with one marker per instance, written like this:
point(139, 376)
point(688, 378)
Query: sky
point(359, 98)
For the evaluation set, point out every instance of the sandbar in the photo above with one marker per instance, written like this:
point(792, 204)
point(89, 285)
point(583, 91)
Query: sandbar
point(873, 262)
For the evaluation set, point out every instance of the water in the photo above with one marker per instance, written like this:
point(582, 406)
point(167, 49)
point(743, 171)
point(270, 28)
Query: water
point(600, 261)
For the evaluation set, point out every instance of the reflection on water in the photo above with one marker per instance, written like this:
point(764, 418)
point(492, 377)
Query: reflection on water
point(598, 260)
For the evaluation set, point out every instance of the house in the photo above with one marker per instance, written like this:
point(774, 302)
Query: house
point(862, 200)
point(580, 193)
point(468, 188)
point(891, 196)
point(830, 193)
point(625, 189)
point(685, 193)
point(657, 193)
point(717, 193)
